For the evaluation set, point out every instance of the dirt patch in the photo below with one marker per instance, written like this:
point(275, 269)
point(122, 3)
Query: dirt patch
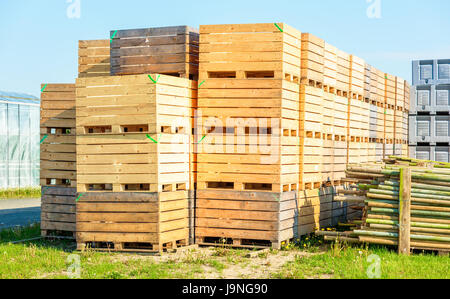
point(226, 263)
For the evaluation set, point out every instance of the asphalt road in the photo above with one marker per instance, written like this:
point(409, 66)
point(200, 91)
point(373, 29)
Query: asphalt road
point(19, 212)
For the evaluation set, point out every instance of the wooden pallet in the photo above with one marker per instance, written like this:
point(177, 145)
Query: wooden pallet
point(245, 218)
point(129, 221)
point(58, 161)
point(133, 134)
point(93, 58)
point(58, 211)
point(166, 50)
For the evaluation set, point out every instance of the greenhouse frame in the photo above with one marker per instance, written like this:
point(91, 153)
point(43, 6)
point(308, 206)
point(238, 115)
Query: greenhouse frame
point(19, 140)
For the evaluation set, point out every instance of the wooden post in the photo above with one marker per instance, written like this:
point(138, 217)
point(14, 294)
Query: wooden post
point(404, 242)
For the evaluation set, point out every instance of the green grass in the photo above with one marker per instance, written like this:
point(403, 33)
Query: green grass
point(45, 258)
point(342, 262)
point(20, 193)
point(49, 259)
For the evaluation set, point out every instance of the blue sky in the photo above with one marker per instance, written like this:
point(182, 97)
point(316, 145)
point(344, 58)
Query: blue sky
point(39, 42)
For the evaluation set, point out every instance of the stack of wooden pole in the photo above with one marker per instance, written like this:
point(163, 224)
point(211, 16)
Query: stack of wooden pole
point(405, 201)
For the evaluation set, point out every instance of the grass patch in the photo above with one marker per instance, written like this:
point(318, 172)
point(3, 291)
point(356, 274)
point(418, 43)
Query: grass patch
point(355, 262)
point(20, 233)
point(46, 258)
point(20, 193)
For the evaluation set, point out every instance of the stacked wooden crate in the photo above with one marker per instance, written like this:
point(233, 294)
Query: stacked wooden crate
point(398, 116)
point(58, 159)
point(166, 50)
point(335, 111)
point(93, 58)
point(133, 147)
point(369, 96)
point(405, 122)
point(390, 115)
point(314, 170)
point(378, 95)
point(359, 113)
point(248, 163)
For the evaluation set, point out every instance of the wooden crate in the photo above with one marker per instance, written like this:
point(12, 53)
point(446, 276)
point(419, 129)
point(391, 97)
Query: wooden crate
point(58, 158)
point(389, 124)
point(328, 135)
point(407, 89)
point(330, 66)
point(405, 127)
point(130, 221)
point(133, 134)
point(381, 86)
point(343, 72)
point(357, 76)
point(354, 148)
point(245, 219)
point(253, 126)
point(374, 121)
point(355, 118)
point(405, 150)
point(388, 149)
point(379, 148)
point(249, 104)
point(368, 82)
point(58, 211)
point(312, 59)
point(372, 152)
point(249, 51)
point(374, 85)
point(311, 137)
point(340, 136)
point(166, 50)
point(58, 124)
point(399, 94)
point(93, 58)
point(390, 89)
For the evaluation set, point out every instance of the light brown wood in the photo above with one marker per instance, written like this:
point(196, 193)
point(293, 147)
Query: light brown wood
point(404, 244)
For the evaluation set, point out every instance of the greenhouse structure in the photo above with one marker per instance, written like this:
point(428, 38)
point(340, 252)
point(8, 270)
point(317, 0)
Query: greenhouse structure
point(19, 140)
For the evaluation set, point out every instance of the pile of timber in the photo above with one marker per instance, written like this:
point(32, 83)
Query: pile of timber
point(406, 204)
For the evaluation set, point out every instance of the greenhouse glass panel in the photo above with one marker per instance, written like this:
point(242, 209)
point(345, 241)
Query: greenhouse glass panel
point(19, 140)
